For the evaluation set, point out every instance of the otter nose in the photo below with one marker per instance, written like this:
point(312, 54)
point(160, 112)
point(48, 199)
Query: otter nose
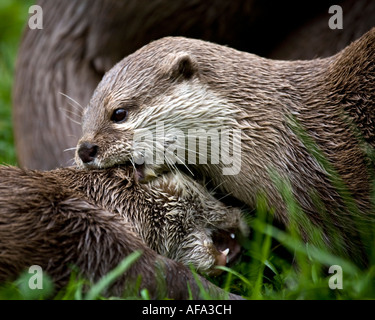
point(87, 152)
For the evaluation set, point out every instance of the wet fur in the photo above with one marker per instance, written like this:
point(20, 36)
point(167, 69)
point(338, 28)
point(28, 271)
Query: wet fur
point(82, 39)
point(93, 220)
point(194, 84)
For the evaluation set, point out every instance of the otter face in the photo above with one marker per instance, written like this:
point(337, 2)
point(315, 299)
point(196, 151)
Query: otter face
point(146, 106)
point(196, 228)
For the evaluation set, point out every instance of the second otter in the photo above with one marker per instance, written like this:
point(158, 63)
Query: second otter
point(94, 219)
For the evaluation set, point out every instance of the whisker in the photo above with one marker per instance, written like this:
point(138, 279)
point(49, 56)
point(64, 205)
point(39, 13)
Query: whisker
point(220, 184)
point(68, 117)
point(227, 195)
point(206, 183)
point(70, 98)
point(169, 164)
point(176, 168)
point(69, 149)
point(72, 161)
point(78, 115)
point(133, 164)
point(184, 164)
point(189, 150)
point(71, 112)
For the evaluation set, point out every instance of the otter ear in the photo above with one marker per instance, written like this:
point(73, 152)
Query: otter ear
point(183, 65)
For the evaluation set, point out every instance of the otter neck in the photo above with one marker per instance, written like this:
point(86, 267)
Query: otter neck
point(106, 188)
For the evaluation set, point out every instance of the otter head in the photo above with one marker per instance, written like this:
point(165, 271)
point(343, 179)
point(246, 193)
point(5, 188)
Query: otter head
point(146, 106)
point(193, 228)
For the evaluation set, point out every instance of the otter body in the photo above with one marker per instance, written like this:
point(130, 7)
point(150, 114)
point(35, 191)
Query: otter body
point(191, 84)
point(96, 34)
point(95, 219)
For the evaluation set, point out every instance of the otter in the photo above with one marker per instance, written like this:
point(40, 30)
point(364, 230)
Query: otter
point(291, 115)
point(94, 219)
point(82, 39)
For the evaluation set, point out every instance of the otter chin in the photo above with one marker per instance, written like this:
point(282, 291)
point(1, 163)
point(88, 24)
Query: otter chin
point(190, 85)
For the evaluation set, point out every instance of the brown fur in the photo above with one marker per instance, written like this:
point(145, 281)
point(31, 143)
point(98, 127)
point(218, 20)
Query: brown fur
point(95, 219)
point(194, 84)
point(82, 39)
point(322, 41)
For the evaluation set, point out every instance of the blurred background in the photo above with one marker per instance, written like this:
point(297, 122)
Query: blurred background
point(13, 17)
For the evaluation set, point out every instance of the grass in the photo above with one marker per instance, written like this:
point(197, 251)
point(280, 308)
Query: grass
point(263, 272)
point(266, 270)
point(13, 16)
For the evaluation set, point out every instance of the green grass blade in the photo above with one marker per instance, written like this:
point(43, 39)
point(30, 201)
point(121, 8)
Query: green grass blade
point(106, 281)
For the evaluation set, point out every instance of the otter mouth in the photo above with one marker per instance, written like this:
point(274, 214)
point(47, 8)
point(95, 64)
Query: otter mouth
point(228, 248)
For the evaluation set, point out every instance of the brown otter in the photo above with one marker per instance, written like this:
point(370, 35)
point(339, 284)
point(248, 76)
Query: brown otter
point(191, 84)
point(94, 219)
point(82, 39)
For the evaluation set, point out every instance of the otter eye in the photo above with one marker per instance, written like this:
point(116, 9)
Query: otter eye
point(119, 115)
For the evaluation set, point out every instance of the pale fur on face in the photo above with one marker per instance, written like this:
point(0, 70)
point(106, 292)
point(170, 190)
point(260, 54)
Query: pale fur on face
point(189, 106)
point(261, 96)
